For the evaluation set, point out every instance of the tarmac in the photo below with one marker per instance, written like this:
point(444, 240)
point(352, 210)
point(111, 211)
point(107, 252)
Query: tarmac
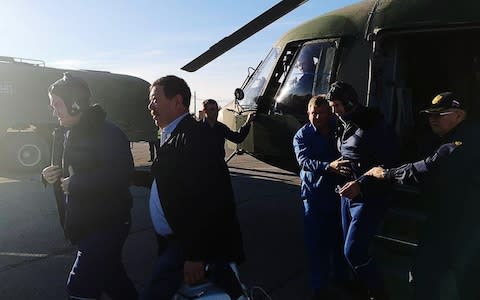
point(35, 259)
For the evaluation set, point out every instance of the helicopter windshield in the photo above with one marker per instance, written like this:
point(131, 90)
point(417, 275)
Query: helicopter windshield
point(310, 74)
point(257, 83)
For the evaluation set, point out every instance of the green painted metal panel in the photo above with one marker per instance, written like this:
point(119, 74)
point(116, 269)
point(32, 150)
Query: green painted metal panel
point(24, 98)
point(389, 14)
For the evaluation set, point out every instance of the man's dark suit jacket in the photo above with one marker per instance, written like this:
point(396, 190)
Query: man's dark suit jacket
point(196, 195)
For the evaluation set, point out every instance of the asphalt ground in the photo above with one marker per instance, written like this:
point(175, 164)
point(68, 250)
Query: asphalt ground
point(35, 259)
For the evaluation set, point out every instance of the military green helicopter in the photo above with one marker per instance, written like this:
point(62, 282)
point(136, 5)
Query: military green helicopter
point(26, 123)
point(398, 54)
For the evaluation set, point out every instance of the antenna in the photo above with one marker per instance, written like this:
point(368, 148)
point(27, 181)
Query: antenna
point(195, 103)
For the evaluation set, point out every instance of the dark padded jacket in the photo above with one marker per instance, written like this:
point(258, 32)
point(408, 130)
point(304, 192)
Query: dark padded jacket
point(99, 155)
point(366, 140)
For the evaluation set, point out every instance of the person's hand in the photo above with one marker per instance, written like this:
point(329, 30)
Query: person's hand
point(64, 184)
point(377, 172)
point(52, 174)
point(340, 166)
point(350, 190)
point(250, 118)
point(193, 272)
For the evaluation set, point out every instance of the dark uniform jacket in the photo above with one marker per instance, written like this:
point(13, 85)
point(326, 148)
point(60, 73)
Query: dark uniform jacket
point(220, 132)
point(99, 154)
point(196, 195)
point(450, 241)
point(450, 183)
point(366, 140)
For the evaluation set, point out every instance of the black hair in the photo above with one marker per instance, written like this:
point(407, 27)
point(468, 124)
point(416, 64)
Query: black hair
point(172, 86)
point(73, 91)
point(344, 93)
point(209, 101)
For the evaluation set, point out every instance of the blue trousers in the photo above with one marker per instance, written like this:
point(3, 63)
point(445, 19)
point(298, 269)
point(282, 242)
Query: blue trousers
point(360, 221)
point(98, 267)
point(324, 243)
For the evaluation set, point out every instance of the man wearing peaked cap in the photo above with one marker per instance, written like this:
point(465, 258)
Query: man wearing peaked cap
point(445, 113)
point(443, 102)
point(450, 243)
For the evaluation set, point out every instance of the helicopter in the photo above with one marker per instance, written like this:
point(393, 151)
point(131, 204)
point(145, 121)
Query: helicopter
point(398, 54)
point(26, 124)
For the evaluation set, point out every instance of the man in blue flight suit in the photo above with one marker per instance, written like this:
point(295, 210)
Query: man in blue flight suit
point(316, 153)
point(450, 244)
point(365, 140)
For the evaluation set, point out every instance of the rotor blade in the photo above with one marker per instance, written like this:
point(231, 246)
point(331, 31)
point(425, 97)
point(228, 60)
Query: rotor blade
point(257, 24)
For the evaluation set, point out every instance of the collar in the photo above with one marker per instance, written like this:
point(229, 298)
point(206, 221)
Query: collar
point(171, 127)
point(331, 127)
point(458, 130)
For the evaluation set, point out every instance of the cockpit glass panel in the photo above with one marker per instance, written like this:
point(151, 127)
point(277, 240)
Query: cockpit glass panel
point(257, 83)
point(324, 71)
point(310, 74)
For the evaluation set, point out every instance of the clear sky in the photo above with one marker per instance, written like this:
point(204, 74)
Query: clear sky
point(147, 39)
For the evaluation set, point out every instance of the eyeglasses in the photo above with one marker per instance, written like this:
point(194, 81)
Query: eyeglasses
point(440, 114)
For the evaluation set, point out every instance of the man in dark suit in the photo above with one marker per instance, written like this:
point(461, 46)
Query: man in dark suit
point(220, 131)
point(194, 229)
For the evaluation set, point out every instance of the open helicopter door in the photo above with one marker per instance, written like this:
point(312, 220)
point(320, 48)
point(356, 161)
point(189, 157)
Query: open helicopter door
point(387, 91)
point(408, 68)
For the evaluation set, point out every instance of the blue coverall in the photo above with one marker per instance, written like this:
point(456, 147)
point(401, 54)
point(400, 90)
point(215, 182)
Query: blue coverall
point(366, 141)
point(323, 235)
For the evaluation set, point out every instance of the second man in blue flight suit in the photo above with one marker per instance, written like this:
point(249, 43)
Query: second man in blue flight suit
point(366, 141)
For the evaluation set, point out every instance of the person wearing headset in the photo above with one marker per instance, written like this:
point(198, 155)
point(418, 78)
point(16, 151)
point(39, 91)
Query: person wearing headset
point(90, 173)
point(365, 140)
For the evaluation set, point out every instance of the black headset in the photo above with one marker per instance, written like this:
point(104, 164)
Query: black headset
point(343, 92)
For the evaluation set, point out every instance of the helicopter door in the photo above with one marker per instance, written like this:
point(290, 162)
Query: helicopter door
point(310, 73)
point(408, 70)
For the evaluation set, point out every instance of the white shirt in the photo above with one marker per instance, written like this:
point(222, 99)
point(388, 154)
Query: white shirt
point(157, 214)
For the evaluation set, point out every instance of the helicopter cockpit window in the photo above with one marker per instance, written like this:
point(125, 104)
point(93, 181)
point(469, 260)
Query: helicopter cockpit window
point(257, 83)
point(310, 74)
